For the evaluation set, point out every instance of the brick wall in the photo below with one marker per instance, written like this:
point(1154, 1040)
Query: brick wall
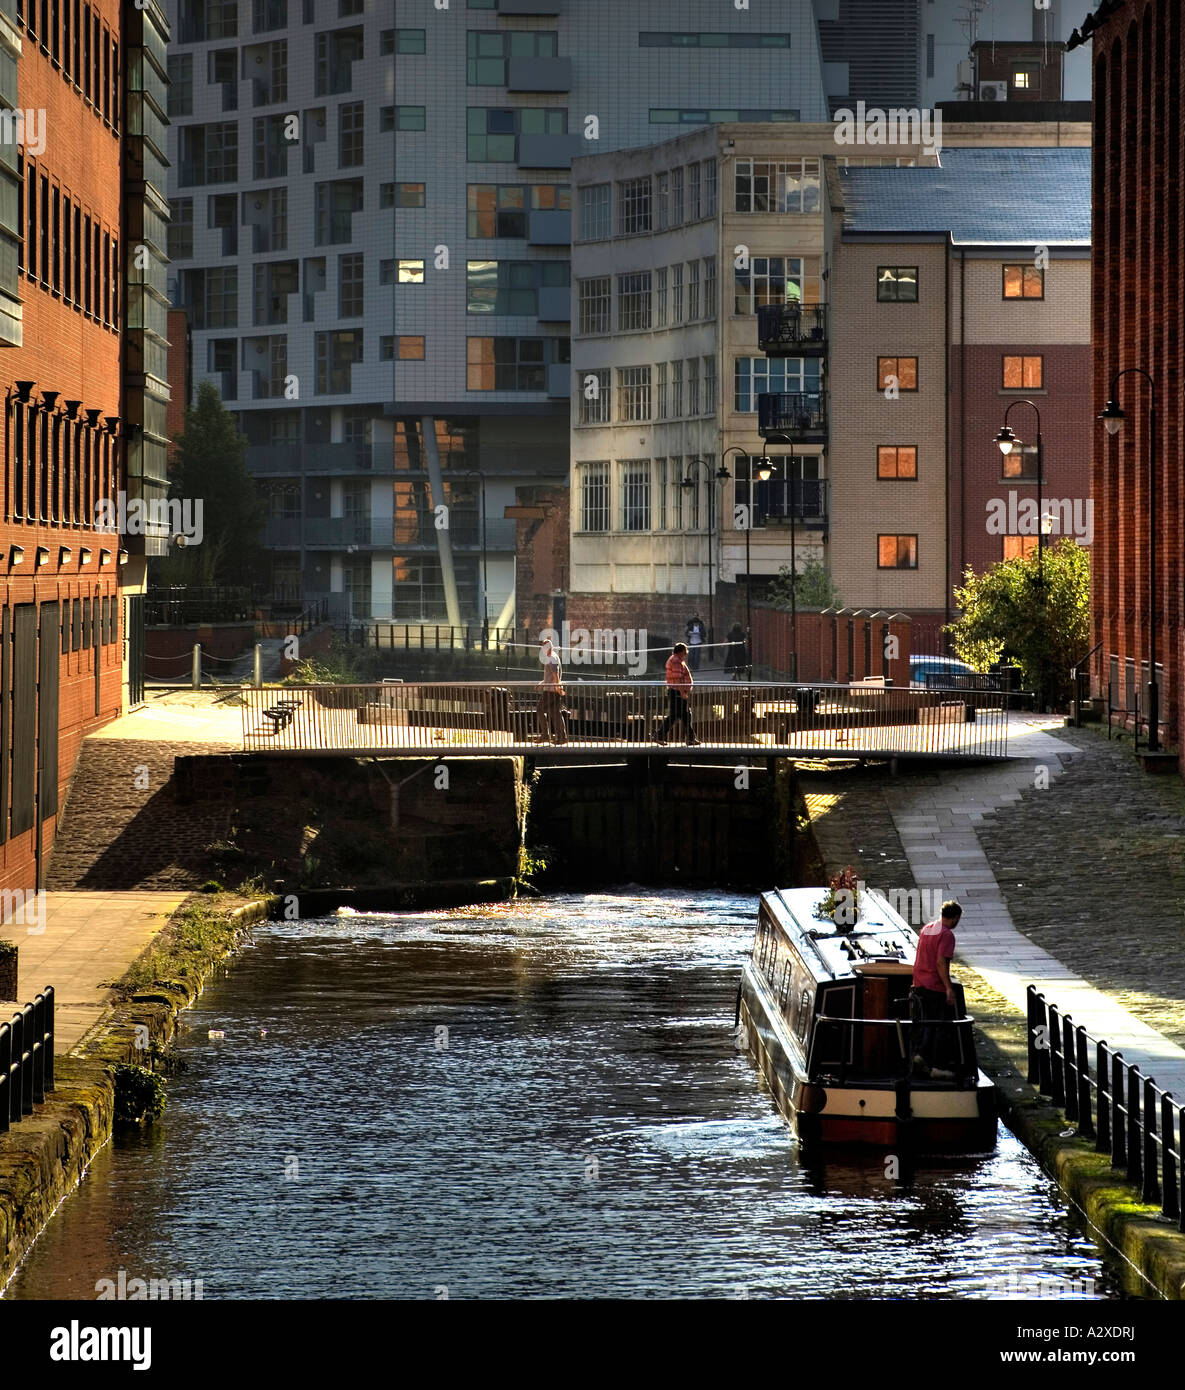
point(221, 640)
point(541, 554)
point(1138, 314)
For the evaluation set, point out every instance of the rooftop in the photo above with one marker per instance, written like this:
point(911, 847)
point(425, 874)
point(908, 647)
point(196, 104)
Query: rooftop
point(1008, 196)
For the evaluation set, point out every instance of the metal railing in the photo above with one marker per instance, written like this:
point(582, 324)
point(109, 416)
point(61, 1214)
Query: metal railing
point(785, 326)
point(179, 604)
point(1126, 1114)
point(26, 1059)
point(853, 1048)
point(603, 716)
point(792, 412)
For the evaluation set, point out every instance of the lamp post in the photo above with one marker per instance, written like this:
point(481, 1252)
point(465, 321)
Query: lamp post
point(1112, 417)
point(1008, 441)
point(722, 475)
point(764, 471)
point(485, 577)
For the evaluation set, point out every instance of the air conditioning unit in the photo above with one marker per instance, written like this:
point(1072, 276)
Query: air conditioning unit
point(993, 91)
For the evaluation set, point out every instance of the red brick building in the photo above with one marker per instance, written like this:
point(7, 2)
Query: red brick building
point(81, 387)
point(1137, 308)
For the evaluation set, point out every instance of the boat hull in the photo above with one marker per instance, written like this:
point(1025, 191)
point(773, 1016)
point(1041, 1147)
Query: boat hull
point(891, 1114)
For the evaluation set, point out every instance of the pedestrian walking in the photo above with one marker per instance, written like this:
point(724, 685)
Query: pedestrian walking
point(551, 715)
point(734, 661)
point(679, 683)
point(695, 633)
point(932, 999)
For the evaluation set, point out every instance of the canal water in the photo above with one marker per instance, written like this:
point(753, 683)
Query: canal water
point(534, 1099)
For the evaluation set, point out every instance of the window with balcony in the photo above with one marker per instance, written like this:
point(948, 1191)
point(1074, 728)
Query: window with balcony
point(796, 490)
point(900, 373)
point(633, 300)
point(336, 53)
point(595, 400)
point(786, 186)
point(336, 354)
point(595, 212)
point(635, 495)
point(633, 206)
point(492, 132)
point(894, 461)
point(633, 394)
point(897, 283)
point(1024, 282)
point(754, 376)
point(503, 209)
point(506, 364)
point(777, 280)
point(896, 552)
point(1023, 373)
point(511, 287)
point(488, 51)
point(594, 496)
point(596, 305)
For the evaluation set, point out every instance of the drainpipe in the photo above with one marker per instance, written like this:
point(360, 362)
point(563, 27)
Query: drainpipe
point(443, 541)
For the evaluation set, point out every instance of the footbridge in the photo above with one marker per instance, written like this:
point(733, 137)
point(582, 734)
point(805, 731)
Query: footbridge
point(606, 720)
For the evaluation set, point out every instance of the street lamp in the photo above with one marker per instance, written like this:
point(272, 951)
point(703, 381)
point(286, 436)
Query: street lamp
point(1112, 416)
point(1007, 442)
point(485, 577)
point(722, 475)
point(764, 472)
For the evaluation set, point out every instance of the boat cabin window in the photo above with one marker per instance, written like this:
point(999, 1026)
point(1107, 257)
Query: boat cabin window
point(834, 1045)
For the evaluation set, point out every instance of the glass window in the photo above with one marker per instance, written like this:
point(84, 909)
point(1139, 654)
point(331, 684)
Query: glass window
point(635, 495)
point(409, 40)
point(407, 195)
point(594, 496)
point(898, 372)
point(896, 461)
point(897, 283)
point(410, 118)
point(410, 272)
point(594, 397)
point(410, 348)
point(897, 552)
point(786, 186)
point(754, 376)
point(633, 393)
point(633, 206)
point(633, 300)
point(596, 303)
point(595, 223)
point(1023, 373)
point(1020, 547)
point(1024, 282)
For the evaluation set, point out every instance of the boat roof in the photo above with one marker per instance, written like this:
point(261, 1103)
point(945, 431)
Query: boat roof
point(831, 953)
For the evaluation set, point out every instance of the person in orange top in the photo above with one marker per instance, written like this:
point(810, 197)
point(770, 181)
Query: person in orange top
point(678, 694)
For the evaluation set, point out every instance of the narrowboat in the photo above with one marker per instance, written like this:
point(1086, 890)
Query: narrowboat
point(824, 1010)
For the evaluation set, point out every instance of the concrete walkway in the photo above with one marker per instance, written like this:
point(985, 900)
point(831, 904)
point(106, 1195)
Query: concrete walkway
point(937, 827)
point(88, 938)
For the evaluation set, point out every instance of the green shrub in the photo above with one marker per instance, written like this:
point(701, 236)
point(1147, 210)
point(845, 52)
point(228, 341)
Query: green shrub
point(139, 1094)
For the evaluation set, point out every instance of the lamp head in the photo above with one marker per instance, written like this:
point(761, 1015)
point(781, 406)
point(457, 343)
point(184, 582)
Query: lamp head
point(1006, 440)
point(1112, 415)
point(765, 469)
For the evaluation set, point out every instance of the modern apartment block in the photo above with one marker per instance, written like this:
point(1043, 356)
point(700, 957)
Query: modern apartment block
point(956, 292)
point(757, 317)
point(81, 306)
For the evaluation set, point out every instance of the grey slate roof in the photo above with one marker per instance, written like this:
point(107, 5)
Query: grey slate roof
point(980, 196)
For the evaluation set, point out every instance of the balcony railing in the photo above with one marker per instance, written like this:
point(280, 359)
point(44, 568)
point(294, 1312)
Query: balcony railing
point(804, 500)
point(800, 415)
point(786, 330)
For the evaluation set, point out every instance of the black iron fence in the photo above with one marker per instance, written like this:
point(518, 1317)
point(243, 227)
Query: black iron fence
point(178, 604)
point(26, 1059)
point(1126, 1114)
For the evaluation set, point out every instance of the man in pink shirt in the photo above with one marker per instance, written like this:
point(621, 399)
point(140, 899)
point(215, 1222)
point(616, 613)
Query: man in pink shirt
point(678, 696)
point(933, 995)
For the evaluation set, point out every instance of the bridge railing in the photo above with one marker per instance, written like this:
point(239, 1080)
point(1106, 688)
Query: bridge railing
point(475, 716)
point(1127, 1115)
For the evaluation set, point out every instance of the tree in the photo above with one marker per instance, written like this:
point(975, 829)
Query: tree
point(814, 587)
point(1040, 621)
point(210, 468)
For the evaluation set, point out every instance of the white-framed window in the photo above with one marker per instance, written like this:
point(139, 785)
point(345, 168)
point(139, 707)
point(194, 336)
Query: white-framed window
point(677, 294)
point(633, 393)
point(709, 287)
point(633, 300)
point(693, 193)
point(596, 305)
point(709, 188)
point(757, 375)
point(594, 496)
point(635, 494)
point(677, 196)
point(709, 386)
point(662, 196)
point(595, 206)
point(594, 394)
point(676, 390)
point(660, 382)
point(692, 291)
point(660, 494)
point(693, 386)
point(633, 206)
point(660, 292)
point(777, 280)
point(786, 186)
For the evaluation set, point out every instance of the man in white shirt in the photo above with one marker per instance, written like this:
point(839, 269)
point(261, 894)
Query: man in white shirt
point(553, 722)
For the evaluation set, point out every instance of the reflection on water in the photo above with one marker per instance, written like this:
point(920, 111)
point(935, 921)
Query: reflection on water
point(535, 1099)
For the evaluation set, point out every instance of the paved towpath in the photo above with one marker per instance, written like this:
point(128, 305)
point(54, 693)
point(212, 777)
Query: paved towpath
point(1048, 839)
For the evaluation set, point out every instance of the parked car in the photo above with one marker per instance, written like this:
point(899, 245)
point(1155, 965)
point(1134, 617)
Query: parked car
point(932, 672)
